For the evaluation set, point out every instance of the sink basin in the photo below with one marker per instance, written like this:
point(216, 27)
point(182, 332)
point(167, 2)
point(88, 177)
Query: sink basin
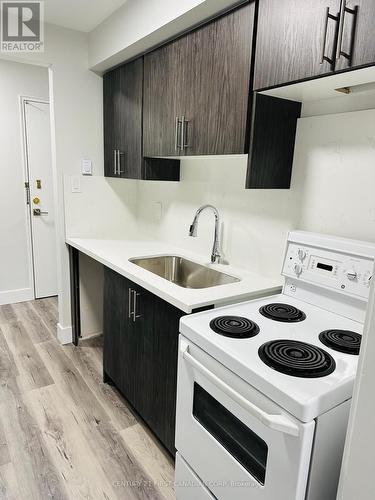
point(183, 272)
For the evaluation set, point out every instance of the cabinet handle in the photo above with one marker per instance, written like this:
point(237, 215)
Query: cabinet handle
point(177, 134)
point(184, 143)
point(354, 12)
point(134, 313)
point(130, 312)
point(328, 16)
point(115, 162)
point(119, 154)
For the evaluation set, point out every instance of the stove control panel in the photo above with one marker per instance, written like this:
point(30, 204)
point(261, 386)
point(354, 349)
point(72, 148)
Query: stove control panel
point(348, 273)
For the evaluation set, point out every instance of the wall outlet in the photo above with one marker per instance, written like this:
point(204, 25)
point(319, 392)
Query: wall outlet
point(75, 182)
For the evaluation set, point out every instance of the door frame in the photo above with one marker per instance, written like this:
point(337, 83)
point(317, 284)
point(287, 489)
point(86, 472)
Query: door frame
point(23, 100)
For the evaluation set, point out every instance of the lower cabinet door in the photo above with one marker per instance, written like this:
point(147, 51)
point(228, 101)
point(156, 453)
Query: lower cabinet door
point(114, 314)
point(163, 352)
point(140, 352)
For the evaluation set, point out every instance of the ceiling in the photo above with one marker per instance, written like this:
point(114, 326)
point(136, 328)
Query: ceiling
point(81, 15)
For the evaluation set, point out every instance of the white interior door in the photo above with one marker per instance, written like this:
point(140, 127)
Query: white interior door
point(39, 165)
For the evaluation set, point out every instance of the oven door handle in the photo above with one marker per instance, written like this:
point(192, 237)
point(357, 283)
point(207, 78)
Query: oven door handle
point(276, 422)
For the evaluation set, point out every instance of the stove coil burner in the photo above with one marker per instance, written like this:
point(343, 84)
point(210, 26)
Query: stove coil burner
point(297, 359)
point(344, 341)
point(234, 326)
point(282, 312)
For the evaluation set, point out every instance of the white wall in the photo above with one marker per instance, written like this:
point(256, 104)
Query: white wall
point(105, 208)
point(15, 266)
point(76, 100)
point(139, 25)
point(334, 171)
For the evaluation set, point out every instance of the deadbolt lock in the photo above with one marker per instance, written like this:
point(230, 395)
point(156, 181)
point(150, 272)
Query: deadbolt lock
point(36, 200)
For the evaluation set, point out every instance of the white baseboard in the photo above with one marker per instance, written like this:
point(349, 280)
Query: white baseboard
point(64, 334)
point(14, 296)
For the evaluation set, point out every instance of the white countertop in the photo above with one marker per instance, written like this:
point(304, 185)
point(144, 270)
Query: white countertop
point(115, 254)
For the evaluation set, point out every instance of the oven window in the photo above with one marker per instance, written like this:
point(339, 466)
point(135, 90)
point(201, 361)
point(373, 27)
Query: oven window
point(242, 443)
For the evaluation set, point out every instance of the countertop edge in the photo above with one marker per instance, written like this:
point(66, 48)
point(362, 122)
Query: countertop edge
point(187, 308)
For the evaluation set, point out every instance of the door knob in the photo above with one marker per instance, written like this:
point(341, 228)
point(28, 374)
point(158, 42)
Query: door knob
point(37, 212)
point(36, 200)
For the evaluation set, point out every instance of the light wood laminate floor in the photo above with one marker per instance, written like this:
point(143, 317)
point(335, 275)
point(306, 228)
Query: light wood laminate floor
point(63, 433)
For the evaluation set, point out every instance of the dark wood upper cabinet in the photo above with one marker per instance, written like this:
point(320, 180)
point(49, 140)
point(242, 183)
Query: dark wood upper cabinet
point(356, 46)
point(123, 128)
point(270, 161)
point(164, 77)
point(296, 39)
point(301, 39)
point(218, 84)
point(196, 89)
point(122, 88)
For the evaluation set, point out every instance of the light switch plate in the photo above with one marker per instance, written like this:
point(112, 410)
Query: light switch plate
point(86, 166)
point(75, 181)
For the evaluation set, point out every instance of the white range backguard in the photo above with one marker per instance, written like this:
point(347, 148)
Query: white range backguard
point(247, 431)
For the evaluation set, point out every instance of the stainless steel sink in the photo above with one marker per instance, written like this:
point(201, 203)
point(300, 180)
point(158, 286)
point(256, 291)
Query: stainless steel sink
point(183, 272)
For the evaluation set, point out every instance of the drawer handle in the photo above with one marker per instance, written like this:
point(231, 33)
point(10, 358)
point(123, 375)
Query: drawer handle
point(115, 162)
point(276, 422)
point(119, 154)
point(130, 312)
point(177, 134)
point(135, 315)
point(132, 304)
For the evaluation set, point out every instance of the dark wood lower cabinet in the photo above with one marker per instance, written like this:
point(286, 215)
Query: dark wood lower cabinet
point(140, 354)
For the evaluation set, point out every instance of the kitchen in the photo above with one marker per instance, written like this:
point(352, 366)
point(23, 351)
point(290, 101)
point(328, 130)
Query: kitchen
point(196, 199)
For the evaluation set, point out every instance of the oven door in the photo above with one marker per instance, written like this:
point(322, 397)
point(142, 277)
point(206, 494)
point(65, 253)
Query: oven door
point(237, 441)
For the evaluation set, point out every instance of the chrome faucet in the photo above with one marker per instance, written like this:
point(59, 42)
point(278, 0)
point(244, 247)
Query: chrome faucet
point(215, 255)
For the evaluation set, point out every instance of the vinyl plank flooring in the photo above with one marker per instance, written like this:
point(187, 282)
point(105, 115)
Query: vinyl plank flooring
point(155, 460)
point(36, 475)
point(32, 371)
point(8, 483)
point(85, 360)
point(47, 312)
point(8, 367)
point(4, 450)
point(7, 314)
point(63, 433)
point(125, 473)
point(71, 382)
point(35, 326)
point(81, 472)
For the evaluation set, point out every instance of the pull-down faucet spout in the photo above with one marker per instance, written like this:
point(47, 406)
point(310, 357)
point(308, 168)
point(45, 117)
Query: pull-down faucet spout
point(193, 231)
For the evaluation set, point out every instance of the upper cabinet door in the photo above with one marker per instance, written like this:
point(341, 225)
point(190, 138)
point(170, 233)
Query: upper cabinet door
point(164, 75)
point(196, 89)
point(296, 39)
point(111, 84)
point(123, 120)
point(218, 83)
point(356, 40)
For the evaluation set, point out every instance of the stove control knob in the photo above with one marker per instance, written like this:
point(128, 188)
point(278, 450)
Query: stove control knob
point(351, 275)
point(298, 269)
point(301, 254)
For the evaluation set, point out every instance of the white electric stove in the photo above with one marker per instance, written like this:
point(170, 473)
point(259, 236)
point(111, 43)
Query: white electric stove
point(264, 386)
